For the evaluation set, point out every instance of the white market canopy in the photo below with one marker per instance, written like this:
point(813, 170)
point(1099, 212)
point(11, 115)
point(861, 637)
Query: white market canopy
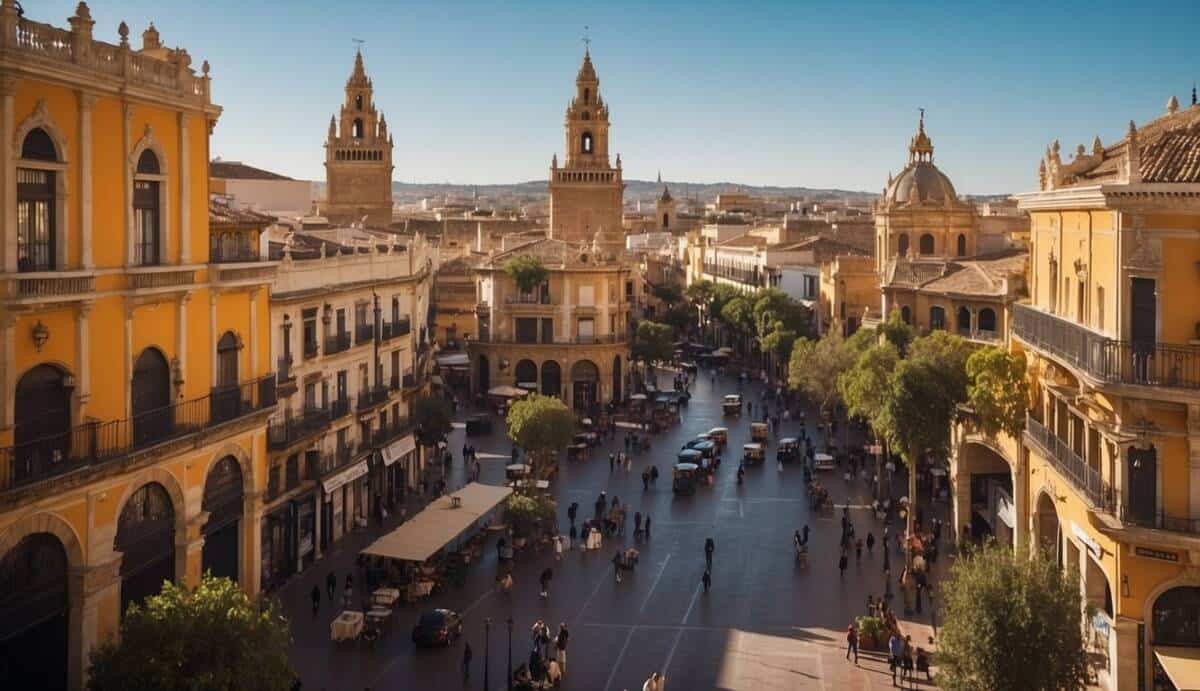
point(446, 517)
point(507, 392)
point(1182, 665)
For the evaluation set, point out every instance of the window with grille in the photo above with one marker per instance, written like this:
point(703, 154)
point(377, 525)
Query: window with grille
point(35, 220)
point(146, 223)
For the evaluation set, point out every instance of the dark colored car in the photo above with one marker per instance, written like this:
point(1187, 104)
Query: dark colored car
point(441, 627)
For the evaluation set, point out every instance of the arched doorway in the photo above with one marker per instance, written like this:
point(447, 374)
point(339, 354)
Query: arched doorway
point(962, 320)
point(551, 378)
point(937, 318)
point(984, 493)
point(526, 373)
point(961, 245)
point(223, 502)
point(1049, 537)
point(484, 374)
point(42, 418)
point(34, 614)
point(226, 397)
point(926, 244)
point(1143, 486)
point(616, 378)
point(146, 541)
point(585, 385)
point(1174, 617)
point(151, 390)
point(987, 320)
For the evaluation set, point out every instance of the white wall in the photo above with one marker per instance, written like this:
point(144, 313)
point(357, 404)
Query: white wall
point(276, 197)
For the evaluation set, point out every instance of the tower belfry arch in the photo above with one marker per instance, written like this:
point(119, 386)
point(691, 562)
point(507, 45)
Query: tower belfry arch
point(358, 155)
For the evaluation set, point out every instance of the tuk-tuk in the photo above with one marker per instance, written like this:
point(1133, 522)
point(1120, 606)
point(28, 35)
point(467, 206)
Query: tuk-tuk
point(707, 449)
point(577, 452)
point(823, 461)
point(752, 454)
point(516, 471)
point(720, 435)
point(699, 438)
point(479, 423)
point(759, 431)
point(788, 451)
point(732, 404)
point(684, 480)
point(586, 438)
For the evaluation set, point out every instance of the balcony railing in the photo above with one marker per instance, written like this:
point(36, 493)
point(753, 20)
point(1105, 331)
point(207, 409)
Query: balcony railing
point(340, 458)
point(1070, 465)
point(576, 340)
point(94, 443)
point(403, 326)
point(230, 255)
point(394, 382)
point(337, 343)
point(1161, 521)
point(339, 408)
point(311, 350)
point(372, 396)
point(283, 371)
point(525, 299)
point(410, 380)
point(286, 432)
point(1105, 359)
point(365, 333)
point(751, 277)
point(386, 434)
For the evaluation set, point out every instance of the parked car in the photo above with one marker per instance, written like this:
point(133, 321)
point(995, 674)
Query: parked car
point(441, 627)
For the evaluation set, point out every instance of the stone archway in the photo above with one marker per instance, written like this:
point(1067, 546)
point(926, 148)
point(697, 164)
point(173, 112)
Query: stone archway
point(1048, 527)
point(526, 375)
point(146, 541)
point(552, 378)
point(223, 501)
point(984, 493)
point(585, 386)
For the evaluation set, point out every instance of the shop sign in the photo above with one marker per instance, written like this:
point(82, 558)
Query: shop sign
point(399, 449)
point(342, 477)
point(1082, 535)
point(1160, 554)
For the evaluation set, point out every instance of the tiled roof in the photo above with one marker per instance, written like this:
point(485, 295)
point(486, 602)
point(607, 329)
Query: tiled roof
point(1168, 151)
point(744, 241)
point(554, 254)
point(983, 276)
point(462, 265)
point(234, 170)
point(221, 212)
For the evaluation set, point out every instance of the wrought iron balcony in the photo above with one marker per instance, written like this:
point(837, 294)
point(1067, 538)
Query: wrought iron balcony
point(339, 408)
point(337, 343)
point(1086, 479)
point(365, 333)
point(394, 382)
point(283, 372)
point(388, 433)
point(311, 350)
point(291, 430)
point(403, 326)
point(1106, 359)
point(95, 443)
point(372, 396)
point(1161, 521)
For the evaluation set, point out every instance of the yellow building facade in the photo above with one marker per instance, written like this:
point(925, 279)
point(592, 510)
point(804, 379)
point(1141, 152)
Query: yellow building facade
point(136, 377)
point(1109, 466)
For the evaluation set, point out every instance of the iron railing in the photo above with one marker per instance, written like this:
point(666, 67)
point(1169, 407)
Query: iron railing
point(1086, 479)
point(372, 396)
point(337, 460)
point(339, 408)
point(94, 443)
point(337, 343)
point(365, 333)
point(283, 370)
point(311, 350)
point(230, 255)
point(1106, 359)
point(1160, 521)
point(387, 433)
point(394, 382)
point(283, 433)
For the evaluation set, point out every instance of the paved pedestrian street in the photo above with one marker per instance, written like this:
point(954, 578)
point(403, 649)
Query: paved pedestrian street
point(766, 624)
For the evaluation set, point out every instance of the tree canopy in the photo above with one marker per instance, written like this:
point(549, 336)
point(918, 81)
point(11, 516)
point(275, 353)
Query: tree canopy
point(896, 331)
point(541, 425)
point(1010, 623)
point(816, 366)
point(213, 638)
point(653, 342)
point(997, 390)
point(432, 417)
point(527, 271)
point(865, 386)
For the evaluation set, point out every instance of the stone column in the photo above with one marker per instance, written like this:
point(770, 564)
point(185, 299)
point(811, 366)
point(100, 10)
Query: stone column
point(95, 599)
point(189, 551)
point(181, 335)
point(8, 88)
point(185, 250)
point(86, 103)
point(251, 543)
point(254, 332)
point(1123, 665)
point(129, 307)
point(83, 374)
point(213, 298)
point(1193, 428)
point(1021, 498)
point(127, 181)
point(7, 372)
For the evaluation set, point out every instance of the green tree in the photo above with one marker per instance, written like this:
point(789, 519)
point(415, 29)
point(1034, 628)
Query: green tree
point(213, 638)
point(432, 418)
point(779, 342)
point(679, 316)
point(527, 271)
point(865, 387)
point(700, 292)
point(738, 317)
point(896, 331)
point(541, 425)
point(998, 391)
point(653, 342)
point(525, 513)
point(1010, 623)
point(668, 293)
point(720, 295)
point(816, 366)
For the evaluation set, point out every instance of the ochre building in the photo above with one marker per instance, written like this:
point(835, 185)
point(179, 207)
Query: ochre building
point(136, 375)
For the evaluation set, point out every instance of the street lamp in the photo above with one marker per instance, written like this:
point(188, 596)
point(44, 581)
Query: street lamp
point(487, 640)
point(510, 625)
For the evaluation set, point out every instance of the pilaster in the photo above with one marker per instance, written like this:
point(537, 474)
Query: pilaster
point(8, 372)
point(181, 335)
point(83, 373)
point(129, 307)
point(185, 252)
point(95, 595)
point(1021, 498)
point(213, 297)
point(127, 181)
point(86, 103)
point(189, 552)
point(251, 562)
point(254, 332)
point(1193, 429)
point(8, 89)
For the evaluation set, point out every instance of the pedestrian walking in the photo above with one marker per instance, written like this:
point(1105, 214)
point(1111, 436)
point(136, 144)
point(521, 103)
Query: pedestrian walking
point(858, 545)
point(466, 661)
point(895, 654)
point(558, 547)
point(709, 548)
point(547, 575)
point(637, 525)
point(331, 584)
point(572, 536)
point(647, 526)
point(316, 600)
point(646, 480)
point(560, 645)
point(852, 642)
point(616, 560)
point(805, 530)
point(842, 564)
point(706, 579)
point(653, 476)
point(870, 544)
point(572, 511)
point(612, 462)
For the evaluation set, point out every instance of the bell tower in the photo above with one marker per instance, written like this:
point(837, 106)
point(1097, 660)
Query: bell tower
point(586, 194)
point(358, 157)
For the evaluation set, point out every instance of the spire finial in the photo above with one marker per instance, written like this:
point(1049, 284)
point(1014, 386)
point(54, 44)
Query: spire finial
point(587, 40)
point(921, 122)
point(1193, 93)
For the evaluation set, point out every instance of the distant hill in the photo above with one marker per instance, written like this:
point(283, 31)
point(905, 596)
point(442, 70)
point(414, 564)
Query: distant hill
point(536, 190)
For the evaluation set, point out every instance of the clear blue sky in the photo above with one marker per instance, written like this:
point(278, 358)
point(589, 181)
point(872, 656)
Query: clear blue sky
point(822, 94)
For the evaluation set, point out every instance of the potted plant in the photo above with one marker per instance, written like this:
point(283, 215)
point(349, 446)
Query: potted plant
point(872, 633)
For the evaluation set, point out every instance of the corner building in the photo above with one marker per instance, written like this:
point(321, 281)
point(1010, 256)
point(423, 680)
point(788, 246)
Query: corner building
point(135, 381)
point(1111, 447)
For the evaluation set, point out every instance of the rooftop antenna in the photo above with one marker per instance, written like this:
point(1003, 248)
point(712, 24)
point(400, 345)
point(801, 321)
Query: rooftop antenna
point(587, 41)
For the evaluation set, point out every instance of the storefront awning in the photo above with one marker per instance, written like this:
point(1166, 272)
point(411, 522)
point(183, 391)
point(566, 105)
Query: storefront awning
point(436, 525)
point(453, 360)
point(1181, 664)
point(345, 476)
point(399, 449)
point(507, 392)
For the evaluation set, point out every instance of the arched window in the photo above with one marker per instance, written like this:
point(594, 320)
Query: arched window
point(34, 598)
point(526, 373)
point(151, 392)
point(585, 115)
point(586, 143)
point(551, 378)
point(223, 502)
point(937, 318)
point(42, 419)
point(357, 129)
point(987, 320)
point(906, 315)
point(147, 214)
point(146, 541)
point(587, 95)
point(666, 221)
point(926, 245)
point(358, 102)
point(962, 320)
point(1175, 615)
point(962, 245)
point(36, 205)
point(902, 244)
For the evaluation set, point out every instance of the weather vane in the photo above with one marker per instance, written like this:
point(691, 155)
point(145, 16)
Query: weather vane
point(587, 41)
point(358, 43)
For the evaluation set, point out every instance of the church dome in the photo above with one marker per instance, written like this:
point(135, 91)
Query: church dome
point(921, 182)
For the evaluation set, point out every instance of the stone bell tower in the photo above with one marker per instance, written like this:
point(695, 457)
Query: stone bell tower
point(358, 157)
point(586, 193)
